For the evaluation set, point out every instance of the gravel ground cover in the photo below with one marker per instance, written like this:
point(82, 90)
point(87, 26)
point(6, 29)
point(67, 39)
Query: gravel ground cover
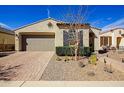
point(71, 71)
point(116, 55)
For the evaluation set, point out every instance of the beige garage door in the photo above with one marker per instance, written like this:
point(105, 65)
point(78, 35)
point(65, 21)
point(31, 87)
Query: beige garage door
point(39, 43)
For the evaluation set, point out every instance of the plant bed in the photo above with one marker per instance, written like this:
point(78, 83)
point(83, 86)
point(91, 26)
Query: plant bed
point(116, 56)
point(74, 71)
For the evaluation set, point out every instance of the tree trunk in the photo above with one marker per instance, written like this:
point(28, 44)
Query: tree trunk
point(76, 50)
point(76, 54)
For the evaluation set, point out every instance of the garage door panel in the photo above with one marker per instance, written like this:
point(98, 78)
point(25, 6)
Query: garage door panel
point(40, 44)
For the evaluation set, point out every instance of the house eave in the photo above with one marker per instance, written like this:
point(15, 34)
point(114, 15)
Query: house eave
point(37, 33)
point(36, 23)
point(72, 26)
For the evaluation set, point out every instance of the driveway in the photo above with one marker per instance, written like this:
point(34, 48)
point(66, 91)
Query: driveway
point(27, 66)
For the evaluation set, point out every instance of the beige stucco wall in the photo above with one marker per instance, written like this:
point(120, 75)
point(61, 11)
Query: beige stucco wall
point(97, 38)
point(122, 43)
point(59, 38)
point(85, 37)
point(114, 34)
point(40, 27)
point(7, 38)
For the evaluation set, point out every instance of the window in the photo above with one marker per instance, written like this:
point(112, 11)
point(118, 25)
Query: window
point(72, 34)
point(65, 38)
point(70, 37)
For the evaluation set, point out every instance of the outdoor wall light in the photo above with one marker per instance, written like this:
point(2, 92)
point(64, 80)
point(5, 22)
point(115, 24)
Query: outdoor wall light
point(50, 25)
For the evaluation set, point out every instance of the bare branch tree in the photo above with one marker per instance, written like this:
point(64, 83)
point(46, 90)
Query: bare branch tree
point(75, 20)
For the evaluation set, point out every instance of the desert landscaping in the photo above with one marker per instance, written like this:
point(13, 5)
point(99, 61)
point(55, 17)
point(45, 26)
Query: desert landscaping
point(38, 66)
point(117, 55)
point(71, 70)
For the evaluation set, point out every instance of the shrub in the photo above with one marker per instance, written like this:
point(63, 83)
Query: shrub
point(65, 51)
point(70, 51)
point(86, 51)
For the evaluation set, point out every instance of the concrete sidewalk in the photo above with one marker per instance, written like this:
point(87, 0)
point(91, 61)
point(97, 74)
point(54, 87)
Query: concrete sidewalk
point(62, 84)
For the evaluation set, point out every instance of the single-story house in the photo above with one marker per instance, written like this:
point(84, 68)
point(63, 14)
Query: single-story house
point(112, 38)
point(7, 39)
point(47, 34)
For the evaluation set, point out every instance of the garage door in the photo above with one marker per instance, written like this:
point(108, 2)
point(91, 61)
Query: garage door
point(38, 43)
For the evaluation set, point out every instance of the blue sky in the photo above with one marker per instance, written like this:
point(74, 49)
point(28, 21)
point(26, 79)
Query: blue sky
point(104, 17)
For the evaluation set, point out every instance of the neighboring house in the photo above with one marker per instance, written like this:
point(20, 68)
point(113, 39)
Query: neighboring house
point(7, 40)
point(47, 34)
point(113, 38)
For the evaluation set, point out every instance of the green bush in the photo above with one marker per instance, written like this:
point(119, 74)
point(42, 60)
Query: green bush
point(70, 51)
point(81, 51)
point(65, 51)
point(86, 51)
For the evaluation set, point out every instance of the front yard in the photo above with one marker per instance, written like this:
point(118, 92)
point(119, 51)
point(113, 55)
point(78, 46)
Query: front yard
point(43, 66)
point(71, 71)
point(117, 55)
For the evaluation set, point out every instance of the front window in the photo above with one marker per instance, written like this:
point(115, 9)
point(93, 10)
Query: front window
point(70, 37)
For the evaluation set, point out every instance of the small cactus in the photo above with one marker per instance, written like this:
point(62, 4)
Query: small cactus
point(110, 69)
point(105, 61)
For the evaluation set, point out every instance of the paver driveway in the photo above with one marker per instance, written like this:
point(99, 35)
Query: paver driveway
point(32, 64)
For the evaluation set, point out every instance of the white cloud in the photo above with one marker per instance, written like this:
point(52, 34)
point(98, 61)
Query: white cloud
point(96, 22)
point(5, 26)
point(109, 18)
point(117, 24)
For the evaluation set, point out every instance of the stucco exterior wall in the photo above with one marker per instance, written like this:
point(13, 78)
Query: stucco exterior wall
point(59, 38)
point(97, 39)
point(7, 38)
point(114, 34)
point(122, 44)
point(86, 37)
point(40, 27)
